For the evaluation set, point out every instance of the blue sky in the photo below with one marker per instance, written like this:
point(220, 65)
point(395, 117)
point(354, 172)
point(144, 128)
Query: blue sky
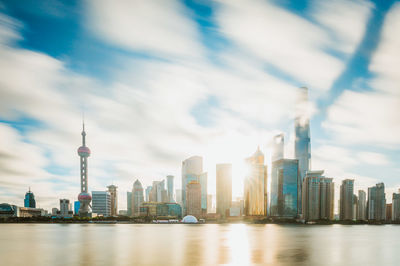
point(160, 81)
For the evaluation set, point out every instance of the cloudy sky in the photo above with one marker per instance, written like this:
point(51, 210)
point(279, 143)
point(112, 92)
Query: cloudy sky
point(160, 81)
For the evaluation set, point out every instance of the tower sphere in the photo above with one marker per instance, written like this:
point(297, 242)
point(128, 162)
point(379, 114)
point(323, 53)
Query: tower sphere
point(84, 151)
point(84, 197)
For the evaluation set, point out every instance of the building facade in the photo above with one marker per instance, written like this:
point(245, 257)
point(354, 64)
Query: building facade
point(129, 203)
point(65, 210)
point(285, 185)
point(224, 189)
point(376, 204)
point(114, 199)
point(255, 186)
point(137, 198)
point(193, 199)
point(361, 206)
point(101, 203)
point(170, 188)
point(192, 168)
point(346, 200)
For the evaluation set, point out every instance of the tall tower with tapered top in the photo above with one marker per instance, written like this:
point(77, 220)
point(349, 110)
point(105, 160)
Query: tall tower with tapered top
point(84, 197)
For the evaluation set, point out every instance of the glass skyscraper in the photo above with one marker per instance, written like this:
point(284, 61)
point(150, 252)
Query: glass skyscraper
point(285, 180)
point(29, 200)
point(170, 188)
point(376, 205)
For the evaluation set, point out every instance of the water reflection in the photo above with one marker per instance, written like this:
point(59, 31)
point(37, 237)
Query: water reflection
point(235, 244)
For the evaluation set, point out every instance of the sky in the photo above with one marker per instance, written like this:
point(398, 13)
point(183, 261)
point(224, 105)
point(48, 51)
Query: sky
point(159, 81)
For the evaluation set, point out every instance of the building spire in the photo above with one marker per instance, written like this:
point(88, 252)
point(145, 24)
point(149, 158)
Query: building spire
point(83, 130)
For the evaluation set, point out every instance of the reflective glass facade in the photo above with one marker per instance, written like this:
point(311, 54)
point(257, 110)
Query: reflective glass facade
point(284, 188)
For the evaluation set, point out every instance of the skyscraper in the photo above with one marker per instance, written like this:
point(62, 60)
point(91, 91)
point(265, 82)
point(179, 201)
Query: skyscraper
point(255, 188)
point(278, 145)
point(170, 188)
point(396, 207)
point(137, 198)
point(29, 200)
point(101, 203)
point(148, 191)
point(302, 148)
point(178, 194)
point(192, 170)
point(346, 199)
point(114, 199)
point(317, 196)
point(224, 189)
point(376, 204)
point(84, 197)
point(193, 199)
point(362, 206)
point(129, 200)
point(158, 192)
point(65, 210)
point(285, 184)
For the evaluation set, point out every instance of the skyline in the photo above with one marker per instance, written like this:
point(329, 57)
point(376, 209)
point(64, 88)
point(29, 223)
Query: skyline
point(219, 89)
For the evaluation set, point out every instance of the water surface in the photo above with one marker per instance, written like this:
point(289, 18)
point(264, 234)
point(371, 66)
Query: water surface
point(207, 244)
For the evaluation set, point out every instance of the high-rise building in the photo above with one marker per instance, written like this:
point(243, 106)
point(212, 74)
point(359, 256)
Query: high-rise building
point(346, 199)
point(137, 198)
point(178, 194)
point(192, 170)
point(317, 196)
point(170, 188)
point(255, 188)
point(101, 203)
point(210, 203)
point(77, 204)
point(158, 192)
point(302, 148)
point(65, 210)
point(376, 204)
point(224, 189)
point(278, 145)
point(285, 185)
point(396, 207)
point(129, 203)
point(361, 206)
point(114, 199)
point(84, 197)
point(193, 199)
point(29, 200)
point(389, 212)
point(148, 191)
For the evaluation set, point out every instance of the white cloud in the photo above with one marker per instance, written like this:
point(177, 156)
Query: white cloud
point(289, 42)
point(160, 27)
point(373, 158)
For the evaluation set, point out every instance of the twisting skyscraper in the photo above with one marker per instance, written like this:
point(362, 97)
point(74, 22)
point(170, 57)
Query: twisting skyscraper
point(84, 197)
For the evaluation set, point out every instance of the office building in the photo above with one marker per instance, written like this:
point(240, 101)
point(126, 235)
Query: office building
point(396, 207)
point(178, 194)
point(137, 198)
point(77, 204)
point(389, 212)
point(255, 186)
point(376, 204)
point(161, 209)
point(346, 199)
point(361, 206)
point(101, 203)
point(148, 191)
point(170, 188)
point(192, 168)
point(317, 196)
point(29, 200)
point(114, 199)
point(129, 200)
point(224, 189)
point(285, 184)
point(193, 199)
point(65, 210)
point(209, 203)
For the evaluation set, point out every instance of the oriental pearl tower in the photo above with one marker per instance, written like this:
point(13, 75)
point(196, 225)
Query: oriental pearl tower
point(84, 197)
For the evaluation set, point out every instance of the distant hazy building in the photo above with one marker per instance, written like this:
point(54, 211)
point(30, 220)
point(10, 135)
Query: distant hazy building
point(346, 199)
point(376, 204)
point(277, 150)
point(114, 199)
point(285, 185)
point(65, 210)
point(361, 206)
point(123, 212)
point(237, 208)
point(29, 200)
point(192, 168)
point(193, 199)
point(355, 203)
point(129, 203)
point(137, 198)
point(158, 192)
point(224, 189)
point(148, 191)
point(396, 206)
point(317, 196)
point(101, 203)
point(178, 194)
point(170, 188)
point(161, 209)
point(209, 203)
point(255, 188)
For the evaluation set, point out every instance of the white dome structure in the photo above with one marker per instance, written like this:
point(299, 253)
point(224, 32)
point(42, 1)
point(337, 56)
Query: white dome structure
point(189, 219)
